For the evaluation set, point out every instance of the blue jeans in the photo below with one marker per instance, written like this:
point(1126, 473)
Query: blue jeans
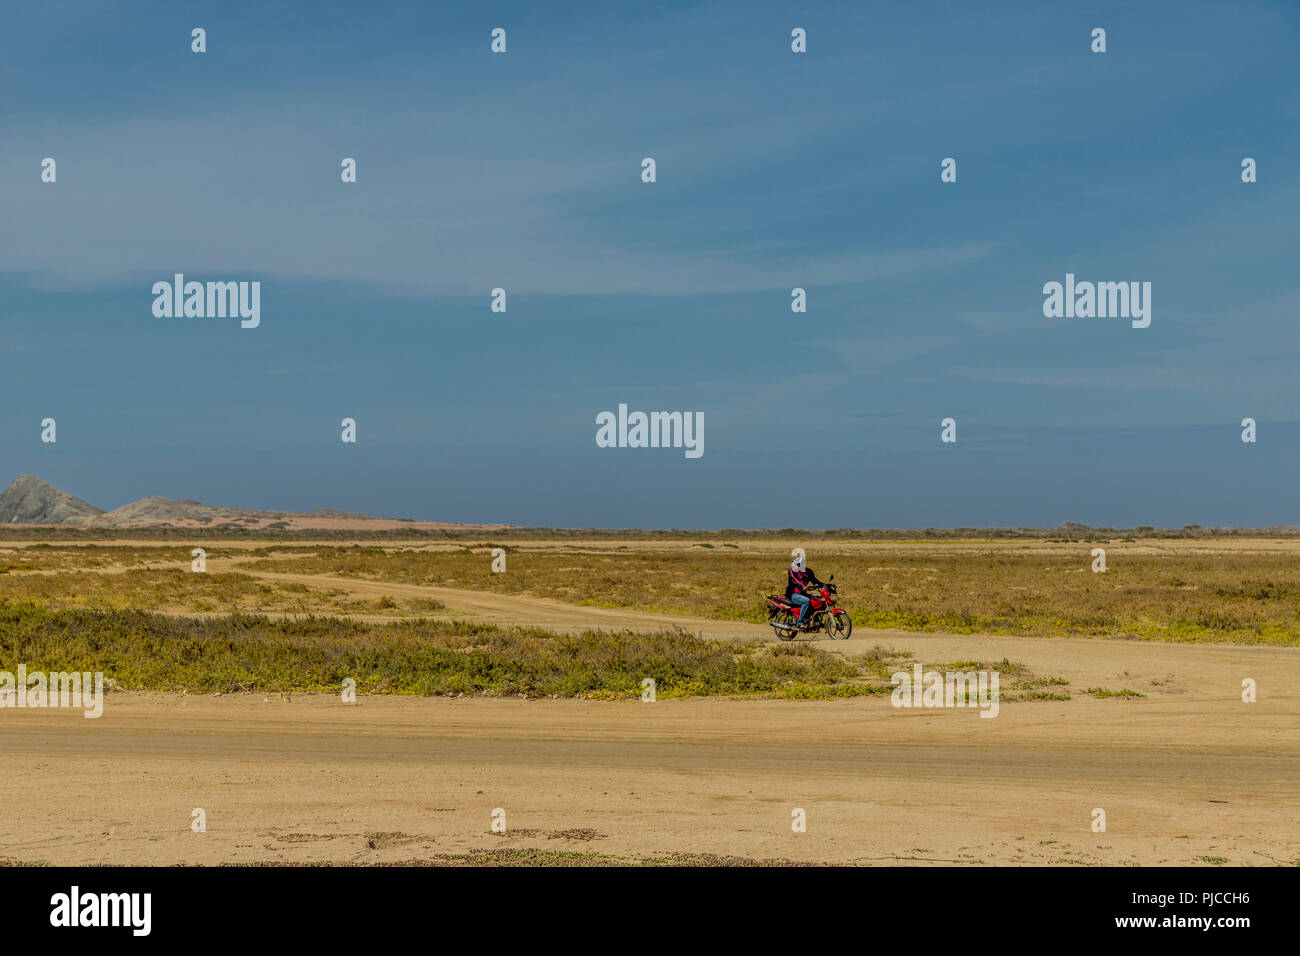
point(804, 603)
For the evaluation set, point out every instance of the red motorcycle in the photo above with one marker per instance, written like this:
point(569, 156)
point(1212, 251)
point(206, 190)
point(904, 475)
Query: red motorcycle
point(782, 613)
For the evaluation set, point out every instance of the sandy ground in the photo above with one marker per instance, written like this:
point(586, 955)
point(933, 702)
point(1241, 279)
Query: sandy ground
point(304, 779)
point(1186, 772)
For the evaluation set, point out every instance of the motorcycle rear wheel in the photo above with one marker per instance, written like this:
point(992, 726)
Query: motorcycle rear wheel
point(783, 625)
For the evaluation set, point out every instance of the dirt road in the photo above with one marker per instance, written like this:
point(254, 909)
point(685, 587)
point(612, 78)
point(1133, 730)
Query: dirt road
point(519, 610)
point(1181, 777)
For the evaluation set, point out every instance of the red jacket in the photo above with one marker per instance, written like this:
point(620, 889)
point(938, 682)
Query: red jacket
point(798, 582)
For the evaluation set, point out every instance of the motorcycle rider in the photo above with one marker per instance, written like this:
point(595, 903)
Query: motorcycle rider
point(799, 579)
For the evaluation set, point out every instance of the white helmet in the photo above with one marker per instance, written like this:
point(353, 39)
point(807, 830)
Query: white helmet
point(798, 564)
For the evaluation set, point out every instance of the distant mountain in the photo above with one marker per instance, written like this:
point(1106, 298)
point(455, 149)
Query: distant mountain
point(29, 500)
point(156, 510)
point(153, 512)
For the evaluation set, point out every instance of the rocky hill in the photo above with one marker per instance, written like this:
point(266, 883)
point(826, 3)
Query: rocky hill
point(29, 500)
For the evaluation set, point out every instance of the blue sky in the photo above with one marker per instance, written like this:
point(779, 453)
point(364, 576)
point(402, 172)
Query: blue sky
point(775, 170)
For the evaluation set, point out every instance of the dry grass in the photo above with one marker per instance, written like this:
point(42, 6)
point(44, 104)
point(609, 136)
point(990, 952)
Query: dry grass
point(1230, 595)
point(175, 589)
point(1205, 590)
point(142, 651)
point(49, 557)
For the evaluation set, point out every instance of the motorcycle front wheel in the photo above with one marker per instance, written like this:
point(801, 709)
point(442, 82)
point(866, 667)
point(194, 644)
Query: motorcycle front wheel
point(839, 626)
